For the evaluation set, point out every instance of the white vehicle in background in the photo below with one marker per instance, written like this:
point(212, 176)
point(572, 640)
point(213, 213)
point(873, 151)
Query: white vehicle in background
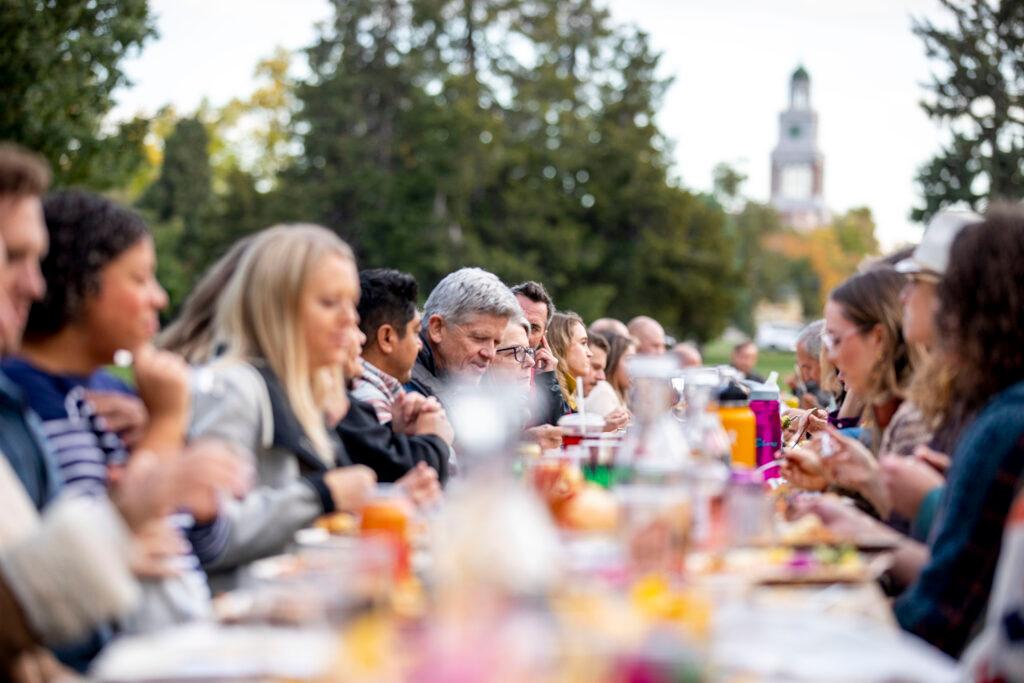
point(778, 336)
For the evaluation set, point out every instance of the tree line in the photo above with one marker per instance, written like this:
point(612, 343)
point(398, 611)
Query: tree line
point(518, 135)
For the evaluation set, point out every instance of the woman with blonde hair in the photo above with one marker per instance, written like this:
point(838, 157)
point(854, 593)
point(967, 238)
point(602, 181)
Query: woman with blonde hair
point(285, 319)
point(567, 338)
point(568, 341)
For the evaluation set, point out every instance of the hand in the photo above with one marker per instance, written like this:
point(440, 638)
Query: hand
point(809, 400)
point(617, 419)
point(122, 414)
point(406, 408)
point(544, 360)
point(547, 436)
point(156, 545)
point(908, 481)
point(939, 461)
point(853, 466)
point(206, 471)
point(421, 484)
point(817, 421)
point(350, 487)
point(802, 468)
point(143, 492)
point(434, 422)
point(845, 520)
point(162, 382)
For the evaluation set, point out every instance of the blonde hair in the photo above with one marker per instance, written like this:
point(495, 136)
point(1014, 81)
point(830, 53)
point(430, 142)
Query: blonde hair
point(559, 339)
point(258, 317)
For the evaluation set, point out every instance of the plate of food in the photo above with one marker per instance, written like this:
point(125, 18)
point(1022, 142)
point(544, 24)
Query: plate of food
point(809, 532)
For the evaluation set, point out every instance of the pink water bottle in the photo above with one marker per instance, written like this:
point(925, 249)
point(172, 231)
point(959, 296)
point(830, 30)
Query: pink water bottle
point(764, 402)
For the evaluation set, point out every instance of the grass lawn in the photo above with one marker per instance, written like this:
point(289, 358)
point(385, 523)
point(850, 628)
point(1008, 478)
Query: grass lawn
point(717, 353)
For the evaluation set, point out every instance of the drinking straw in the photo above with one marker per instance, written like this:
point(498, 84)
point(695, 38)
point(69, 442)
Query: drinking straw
point(579, 398)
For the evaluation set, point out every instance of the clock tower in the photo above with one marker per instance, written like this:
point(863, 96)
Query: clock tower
point(797, 164)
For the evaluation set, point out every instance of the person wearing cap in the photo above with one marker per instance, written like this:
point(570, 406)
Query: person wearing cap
point(916, 484)
point(923, 271)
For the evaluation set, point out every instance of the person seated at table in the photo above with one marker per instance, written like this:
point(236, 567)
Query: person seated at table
point(598, 360)
point(688, 355)
point(620, 350)
point(608, 326)
point(744, 359)
point(391, 324)
point(412, 449)
point(102, 297)
point(649, 335)
point(465, 317)
point(806, 383)
point(864, 340)
point(285, 318)
point(511, 371)
point(601, 397)
point(980, 334)
point(538, 307)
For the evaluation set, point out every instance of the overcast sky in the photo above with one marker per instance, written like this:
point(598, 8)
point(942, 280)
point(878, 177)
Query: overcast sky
point(731, 60)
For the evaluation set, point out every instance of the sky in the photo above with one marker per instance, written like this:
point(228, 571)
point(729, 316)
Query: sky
point(730, 61)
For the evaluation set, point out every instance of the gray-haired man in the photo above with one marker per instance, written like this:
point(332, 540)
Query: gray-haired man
point(464, 319)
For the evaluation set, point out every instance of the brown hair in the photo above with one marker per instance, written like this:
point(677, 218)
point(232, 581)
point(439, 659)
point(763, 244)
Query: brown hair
point(559, 338)
point(191, 335)
point(980, 322)
point(618, 346)
point(597, 341)
point(873, 298)
point(22, 173)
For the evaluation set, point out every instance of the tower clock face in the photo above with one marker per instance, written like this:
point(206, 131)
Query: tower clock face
point(797, 181)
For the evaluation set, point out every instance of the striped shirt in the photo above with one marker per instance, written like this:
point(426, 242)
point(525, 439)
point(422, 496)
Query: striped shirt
point(86, 450)
point(379, 389)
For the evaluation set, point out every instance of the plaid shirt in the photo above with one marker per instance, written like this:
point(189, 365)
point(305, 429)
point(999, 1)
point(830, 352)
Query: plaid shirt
point(946, 602)
point(379, 389)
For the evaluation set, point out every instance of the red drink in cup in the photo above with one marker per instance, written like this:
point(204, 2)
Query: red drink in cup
point(576, 426)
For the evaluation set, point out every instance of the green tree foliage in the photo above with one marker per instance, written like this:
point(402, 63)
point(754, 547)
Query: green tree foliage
point(517, 135)
point(978, 93)
point(59, 66)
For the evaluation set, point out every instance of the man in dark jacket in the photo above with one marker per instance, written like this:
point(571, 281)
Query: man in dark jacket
point(464, 319)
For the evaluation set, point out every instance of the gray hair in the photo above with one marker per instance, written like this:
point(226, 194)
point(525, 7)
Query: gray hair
point(520, 320)
point(468, 292)
point(810, 338)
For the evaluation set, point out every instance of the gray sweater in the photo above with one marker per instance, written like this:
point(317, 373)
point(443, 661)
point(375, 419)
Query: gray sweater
point(231, 401)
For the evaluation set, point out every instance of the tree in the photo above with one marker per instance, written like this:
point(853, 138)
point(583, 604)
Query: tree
point(517, 135)
point(59, 67)
point(183, 190)
point(978, 94)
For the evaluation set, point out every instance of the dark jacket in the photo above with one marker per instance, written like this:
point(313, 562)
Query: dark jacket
point(550, 405)
point(946, 602)
point(367, 442)
point(426, 376)
point(24, 445)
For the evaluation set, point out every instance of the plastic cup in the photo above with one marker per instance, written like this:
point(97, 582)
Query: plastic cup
point(577, 426)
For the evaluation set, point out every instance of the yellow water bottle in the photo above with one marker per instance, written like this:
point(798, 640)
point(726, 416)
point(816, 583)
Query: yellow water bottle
point(738, 421)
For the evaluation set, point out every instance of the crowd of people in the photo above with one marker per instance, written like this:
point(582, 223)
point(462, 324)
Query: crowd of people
point(291, 384)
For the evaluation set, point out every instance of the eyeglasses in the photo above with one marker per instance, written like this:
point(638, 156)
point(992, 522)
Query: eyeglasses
point(923, 277)
point(831, 341)
point(520, 353)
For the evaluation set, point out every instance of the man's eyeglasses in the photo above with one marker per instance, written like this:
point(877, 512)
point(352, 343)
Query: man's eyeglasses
point(520, 353)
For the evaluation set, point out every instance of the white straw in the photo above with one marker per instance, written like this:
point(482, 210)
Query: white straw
point(579, 397)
